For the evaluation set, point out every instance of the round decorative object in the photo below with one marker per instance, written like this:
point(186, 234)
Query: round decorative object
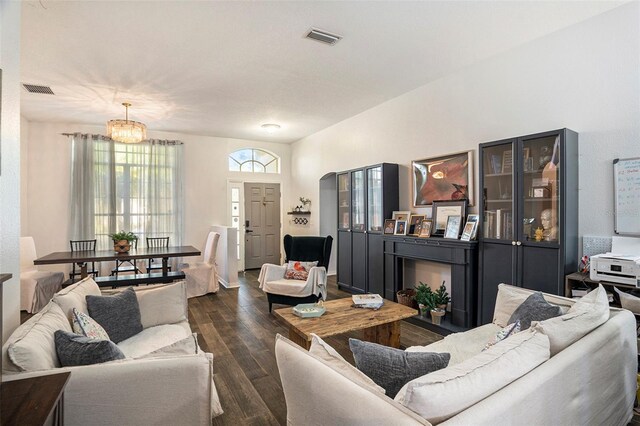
point(122, 246)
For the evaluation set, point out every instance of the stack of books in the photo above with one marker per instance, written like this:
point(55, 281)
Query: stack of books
point(370, 301)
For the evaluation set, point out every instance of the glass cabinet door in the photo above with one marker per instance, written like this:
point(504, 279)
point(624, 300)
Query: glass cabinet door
point(497, 194)
point(357, 200)
point(541, 183)
point(344, 201)
point(374, 199)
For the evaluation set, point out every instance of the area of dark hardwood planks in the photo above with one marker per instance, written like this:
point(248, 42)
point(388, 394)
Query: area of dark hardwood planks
point(235, 325)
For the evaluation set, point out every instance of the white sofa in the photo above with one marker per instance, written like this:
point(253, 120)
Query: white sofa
point(165, 379)
point(590, 382)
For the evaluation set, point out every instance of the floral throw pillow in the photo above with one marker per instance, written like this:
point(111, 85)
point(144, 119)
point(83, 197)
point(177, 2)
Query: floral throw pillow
point(509, 330)
point(85, 325)
point(297, 270)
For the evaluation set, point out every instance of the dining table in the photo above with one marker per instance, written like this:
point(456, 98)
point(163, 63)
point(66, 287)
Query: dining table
point(82, 257)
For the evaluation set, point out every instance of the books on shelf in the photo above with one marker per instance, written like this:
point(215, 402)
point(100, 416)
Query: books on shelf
point(370, 301)
point(498, 224)
point(496, 164)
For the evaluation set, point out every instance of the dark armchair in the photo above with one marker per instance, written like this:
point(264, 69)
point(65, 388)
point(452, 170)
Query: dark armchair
point(285, 291)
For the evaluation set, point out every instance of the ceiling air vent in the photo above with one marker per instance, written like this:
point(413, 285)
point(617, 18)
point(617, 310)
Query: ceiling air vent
point(34, 88)
point(323, 36)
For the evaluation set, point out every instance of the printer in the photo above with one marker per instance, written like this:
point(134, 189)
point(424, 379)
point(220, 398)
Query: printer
point(616, 268)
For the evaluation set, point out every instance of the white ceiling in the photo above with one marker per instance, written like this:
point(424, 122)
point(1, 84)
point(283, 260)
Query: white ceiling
point(224, 68)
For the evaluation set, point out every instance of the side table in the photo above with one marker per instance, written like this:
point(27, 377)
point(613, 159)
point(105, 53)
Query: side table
point(34, 400)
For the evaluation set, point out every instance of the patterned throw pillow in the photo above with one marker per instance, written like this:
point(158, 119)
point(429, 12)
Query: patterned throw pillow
point(297, 270)
point(509, 330)
point(85, 325)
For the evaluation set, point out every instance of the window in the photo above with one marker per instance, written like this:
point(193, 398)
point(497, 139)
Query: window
point(253, 160)
point(135, 187)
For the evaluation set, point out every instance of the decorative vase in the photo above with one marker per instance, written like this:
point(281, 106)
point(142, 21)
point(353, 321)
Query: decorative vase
point(436, 315)
point(122, 246)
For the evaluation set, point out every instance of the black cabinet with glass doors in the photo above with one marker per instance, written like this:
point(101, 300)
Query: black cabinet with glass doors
point(366, 197)
point(529, 214)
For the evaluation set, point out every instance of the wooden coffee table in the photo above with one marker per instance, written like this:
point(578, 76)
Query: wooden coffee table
point(381, 326)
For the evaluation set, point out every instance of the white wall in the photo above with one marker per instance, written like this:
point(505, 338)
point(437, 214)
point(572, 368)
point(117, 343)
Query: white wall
point(10, 162)
point(205, 181)
point(585, 77)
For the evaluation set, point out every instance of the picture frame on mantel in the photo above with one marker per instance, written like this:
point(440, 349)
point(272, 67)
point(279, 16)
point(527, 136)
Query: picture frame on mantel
point(449, 177)
point(442, 209)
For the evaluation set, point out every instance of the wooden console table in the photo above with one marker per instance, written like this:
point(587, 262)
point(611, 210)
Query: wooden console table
point(34, 401)
point(463, 258)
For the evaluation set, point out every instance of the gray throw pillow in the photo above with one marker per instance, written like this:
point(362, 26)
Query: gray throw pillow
point(393, 368)
point(119, 314)
point(76, 349)
point(534, 308)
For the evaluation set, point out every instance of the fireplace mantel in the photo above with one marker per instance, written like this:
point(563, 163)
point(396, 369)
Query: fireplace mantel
point(461, 255)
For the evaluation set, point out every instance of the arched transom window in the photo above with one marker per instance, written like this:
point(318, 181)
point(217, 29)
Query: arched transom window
point(253, 160)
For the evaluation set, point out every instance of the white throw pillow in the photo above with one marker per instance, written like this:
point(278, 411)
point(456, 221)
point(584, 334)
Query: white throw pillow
point(629, 301)
point(163, 305)
point(585, 315)
point(510, 297)
point(333, 359)
point(75, 295)
point(444, 393)
point(32, 346)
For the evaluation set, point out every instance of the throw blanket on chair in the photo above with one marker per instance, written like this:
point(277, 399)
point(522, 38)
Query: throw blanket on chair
point(272, 280)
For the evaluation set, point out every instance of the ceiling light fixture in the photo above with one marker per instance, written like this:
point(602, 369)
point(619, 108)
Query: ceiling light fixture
point(127, 131)
point(271, 127)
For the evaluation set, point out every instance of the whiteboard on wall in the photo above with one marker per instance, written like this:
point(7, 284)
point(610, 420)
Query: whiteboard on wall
point(626, 181)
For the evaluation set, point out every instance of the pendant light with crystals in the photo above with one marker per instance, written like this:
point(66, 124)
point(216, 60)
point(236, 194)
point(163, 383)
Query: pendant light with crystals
point(127, 131)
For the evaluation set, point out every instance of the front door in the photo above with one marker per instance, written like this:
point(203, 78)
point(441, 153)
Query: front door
point(262, 224)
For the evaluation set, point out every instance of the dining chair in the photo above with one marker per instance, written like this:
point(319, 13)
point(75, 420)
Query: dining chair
point(156, 242)
point(83, 245)
point(202, 276)
point(127, 266)
point(36, 287)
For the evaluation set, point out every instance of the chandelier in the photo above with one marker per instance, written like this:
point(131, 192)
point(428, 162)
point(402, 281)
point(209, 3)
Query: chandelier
point(127, 131)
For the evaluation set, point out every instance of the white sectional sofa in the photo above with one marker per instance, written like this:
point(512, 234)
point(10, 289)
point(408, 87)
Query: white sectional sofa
point(591, 381)
point(165, 379)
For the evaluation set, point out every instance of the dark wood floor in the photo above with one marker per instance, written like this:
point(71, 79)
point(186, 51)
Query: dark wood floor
point(235, 325)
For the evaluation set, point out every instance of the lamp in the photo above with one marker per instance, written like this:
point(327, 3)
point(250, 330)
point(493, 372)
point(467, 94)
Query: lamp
point(127, 131)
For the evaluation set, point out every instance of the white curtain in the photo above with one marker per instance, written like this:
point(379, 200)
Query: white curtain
point(131, 187)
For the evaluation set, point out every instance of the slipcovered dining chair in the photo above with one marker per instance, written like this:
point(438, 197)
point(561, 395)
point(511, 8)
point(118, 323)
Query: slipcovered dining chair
point(289, 284)
point(202, 276)
point(36, 287)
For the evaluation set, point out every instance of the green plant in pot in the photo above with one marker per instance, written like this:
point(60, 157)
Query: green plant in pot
point(122, 241)
point(425, 298)
point(442, 297)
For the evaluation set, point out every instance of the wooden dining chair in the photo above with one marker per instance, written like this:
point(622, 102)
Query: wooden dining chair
point(156, 242)
point(83, 245)
point(127, 266)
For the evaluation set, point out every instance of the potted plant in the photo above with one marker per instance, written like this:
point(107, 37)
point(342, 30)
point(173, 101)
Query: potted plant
point(442, 297)
point(122, 241)
point(425, 298)
point(305, 203)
